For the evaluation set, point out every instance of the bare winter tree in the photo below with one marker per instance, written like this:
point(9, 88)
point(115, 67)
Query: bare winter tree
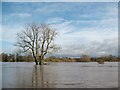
point(38, 39)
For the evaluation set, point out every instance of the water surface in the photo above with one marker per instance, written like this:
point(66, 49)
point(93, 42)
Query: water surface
point(60, 75)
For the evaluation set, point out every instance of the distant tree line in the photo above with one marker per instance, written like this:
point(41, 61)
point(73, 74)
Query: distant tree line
point(29, 58)
point(16, 58)
point(85, 58)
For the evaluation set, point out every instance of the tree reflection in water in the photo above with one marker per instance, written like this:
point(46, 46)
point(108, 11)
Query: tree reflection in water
point(37, 78)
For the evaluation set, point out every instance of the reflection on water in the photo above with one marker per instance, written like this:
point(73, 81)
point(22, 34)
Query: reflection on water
point(37, 78)
point(60, 75)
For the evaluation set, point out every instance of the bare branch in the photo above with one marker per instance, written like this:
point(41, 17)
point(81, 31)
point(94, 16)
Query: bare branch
point(37, 39)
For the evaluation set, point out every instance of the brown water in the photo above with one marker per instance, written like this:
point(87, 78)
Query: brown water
point(60, 75)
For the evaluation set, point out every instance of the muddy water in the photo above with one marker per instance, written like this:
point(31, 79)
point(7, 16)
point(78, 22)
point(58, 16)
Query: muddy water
point(60, 75)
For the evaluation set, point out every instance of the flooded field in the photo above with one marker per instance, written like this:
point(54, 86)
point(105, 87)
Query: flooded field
point(60, 75)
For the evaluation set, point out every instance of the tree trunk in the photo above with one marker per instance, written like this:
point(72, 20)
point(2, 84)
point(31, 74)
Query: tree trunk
point(36, 62)
point(41, 58)
point(35, 59)
point(40, 63)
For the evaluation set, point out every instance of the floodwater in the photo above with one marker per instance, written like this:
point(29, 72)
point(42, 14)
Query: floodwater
point(60, 75)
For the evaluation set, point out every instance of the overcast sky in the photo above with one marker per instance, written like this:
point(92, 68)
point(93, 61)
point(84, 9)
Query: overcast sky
point(84, 28)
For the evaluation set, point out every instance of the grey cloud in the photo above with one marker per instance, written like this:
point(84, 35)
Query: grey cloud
point(95, 48)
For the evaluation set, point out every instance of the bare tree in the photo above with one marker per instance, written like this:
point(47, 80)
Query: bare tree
point(38, 39)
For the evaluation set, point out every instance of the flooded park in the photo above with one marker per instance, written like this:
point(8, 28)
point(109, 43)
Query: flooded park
point(60, 75)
